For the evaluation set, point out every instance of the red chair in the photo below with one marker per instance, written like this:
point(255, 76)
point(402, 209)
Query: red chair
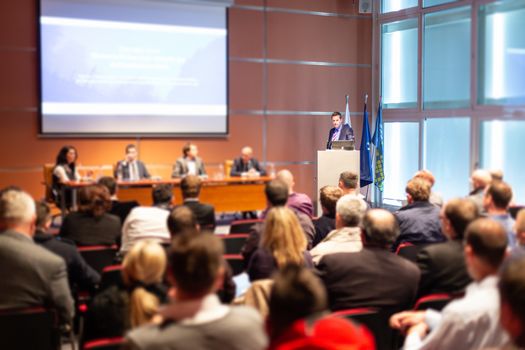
point(111, 276)
point(243, 226)
point(34, 328)
point(98, 256)
point(409, 251)
point(236, 262)
point(105, 344)
point(233, 243)
point(433, 301)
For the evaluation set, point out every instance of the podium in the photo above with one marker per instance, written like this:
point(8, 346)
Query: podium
point(330, 164)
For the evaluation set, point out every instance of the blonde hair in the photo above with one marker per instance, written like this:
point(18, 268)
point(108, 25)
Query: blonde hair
point(284, 237)
point(144, 264)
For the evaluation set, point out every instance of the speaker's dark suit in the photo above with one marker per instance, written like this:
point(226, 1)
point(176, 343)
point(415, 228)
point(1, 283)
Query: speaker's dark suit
point(442, 268)
point(373, 277)
point(240, 167)
point(124, 167)
point(205, 213)
point(346, 133)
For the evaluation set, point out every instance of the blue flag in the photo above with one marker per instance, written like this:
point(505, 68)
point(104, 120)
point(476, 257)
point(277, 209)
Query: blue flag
point(365, 166)
point(379, 141)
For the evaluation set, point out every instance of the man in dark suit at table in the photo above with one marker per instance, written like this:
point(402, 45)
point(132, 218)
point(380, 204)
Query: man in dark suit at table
point(189, 163)
point(246, 164)
point(191, 187)
point(340, 131)
point(131, 168)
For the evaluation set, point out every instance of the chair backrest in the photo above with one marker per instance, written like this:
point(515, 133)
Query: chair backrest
point(433, 301)
point(376, 320)
point(233, 243)
point(243, 226)
point(114, 343)
point(228, 164)
point(98, 256)
point(47, 170)
point(409, 251)
point(111, 276)
point(236, 262)
point(34, 328)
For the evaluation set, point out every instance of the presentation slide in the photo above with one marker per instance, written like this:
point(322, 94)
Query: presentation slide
point(136, 69)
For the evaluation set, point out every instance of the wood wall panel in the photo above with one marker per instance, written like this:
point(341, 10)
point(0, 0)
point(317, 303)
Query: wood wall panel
point(346, 7)
point(316, 88)
point(18, 82)
point(246, 32)
point(246, 85)
point(319, 38)
point(18, 23)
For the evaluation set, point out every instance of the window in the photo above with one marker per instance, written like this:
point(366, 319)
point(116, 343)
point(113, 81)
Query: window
point(396, 5)
point(502, 146)
point(502, 53)
point(401, 158)
point(428, 3)
point(399, 64)
point(447, 154)
point(446, 65)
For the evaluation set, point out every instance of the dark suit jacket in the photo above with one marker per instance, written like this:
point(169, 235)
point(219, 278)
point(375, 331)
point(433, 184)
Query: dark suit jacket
point(442, 268)
point(84, 229)
point(125, 167)
point(240, 167)
point(32, 276)
point(205, 213)
point(347, 133)
point(323, 225)
point(180, 168)
point(373, 277)
point(79, 273)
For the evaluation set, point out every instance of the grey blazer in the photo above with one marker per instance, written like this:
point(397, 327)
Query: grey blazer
point(32, 276)
point(180, 168)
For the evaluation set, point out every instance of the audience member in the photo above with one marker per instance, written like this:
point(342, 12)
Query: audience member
point(190, 187)
point(373, 277)
point(298, 317)
point(65, 170)
point(496, 203)
point(196, 319)
point(480, 180)
point(31, 275)
point(496, 174)
point(118, 208)
point(418, 220)
point(131, 168)
point(189, 163)
point(297, 201)
point(92, 225)
point(119, 308)
point(442, 265)
point(519, 228)
point(80, 274)
point(471, 322)
point(149, 222)
point(512, 311)
point(246, 163)
point(328, 196)
point(435, 198)
point(349, 183)
point(282, 242)
point(347, 234)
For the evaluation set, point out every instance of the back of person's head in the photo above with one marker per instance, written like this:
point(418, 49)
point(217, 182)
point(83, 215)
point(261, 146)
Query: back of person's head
point(162, 194)
point(110, 183)
point(512, 293)
point(380, 228)
point(296, 294)
point(190, 186)
point(196, 262)
point(329, 195)
point(488, 241)
point(350, 209)
point(460, 213)
point(481, 178)
point(43, 214)
point(426, 175)
point(181, 219)
point(283, 236)
point(94, 199)
point(286, 176)
point(16, 207)
point(496, 174)
point(142, 268)
point(62, 155)
point(348, 180)
point(276, 192)
point(418, 189)
point(501, 194)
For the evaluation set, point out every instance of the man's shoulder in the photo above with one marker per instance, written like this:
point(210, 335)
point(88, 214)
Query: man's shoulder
point(25, 248)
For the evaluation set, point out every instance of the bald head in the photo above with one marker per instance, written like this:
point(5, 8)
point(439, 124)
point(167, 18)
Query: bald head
point(246, 153)
point(480, 178)
point(380, 228)
point(286, 176)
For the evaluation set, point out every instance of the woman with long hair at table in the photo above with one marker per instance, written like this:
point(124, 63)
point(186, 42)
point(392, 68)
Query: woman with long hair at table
point(65, 170)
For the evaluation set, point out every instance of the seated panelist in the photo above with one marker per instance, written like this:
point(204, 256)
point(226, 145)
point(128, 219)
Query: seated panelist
point(189, 163)
point(340, 131)
point(246, 164)
point(131, 168)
